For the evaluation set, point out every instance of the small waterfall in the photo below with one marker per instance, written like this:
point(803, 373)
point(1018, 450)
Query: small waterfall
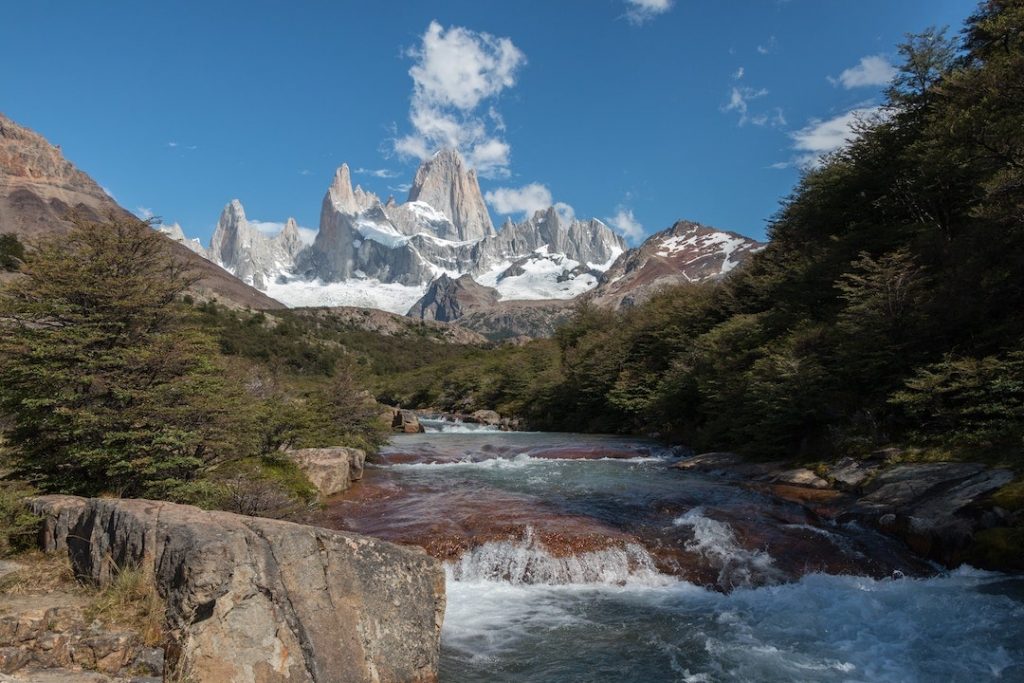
point(527, 561)
point(716, 542)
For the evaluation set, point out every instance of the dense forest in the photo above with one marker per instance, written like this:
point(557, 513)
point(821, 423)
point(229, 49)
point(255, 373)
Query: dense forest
point(888, 307)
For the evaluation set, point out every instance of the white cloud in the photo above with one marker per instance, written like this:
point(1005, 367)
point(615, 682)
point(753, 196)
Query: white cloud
point(769, 47)
point(566, 213)
point(402, 187)
point(172, 144)
point(377, 172)
point(740, 98)
point(456, 71)
point(820, 137)
point(626, 223)
point(641, 11)
point(873, 70)
point(271, 228)
point(267, 227)
point(143, 212)
point(739, 74)
point(525, 200)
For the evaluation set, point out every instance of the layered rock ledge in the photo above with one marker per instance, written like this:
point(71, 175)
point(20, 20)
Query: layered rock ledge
point(252, 599)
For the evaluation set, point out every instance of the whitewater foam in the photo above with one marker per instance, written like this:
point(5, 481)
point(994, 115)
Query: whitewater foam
point(528, 561)
point(716, 542)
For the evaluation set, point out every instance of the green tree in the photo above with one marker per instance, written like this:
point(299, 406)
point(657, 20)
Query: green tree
point(108, 385)
point(12, 252)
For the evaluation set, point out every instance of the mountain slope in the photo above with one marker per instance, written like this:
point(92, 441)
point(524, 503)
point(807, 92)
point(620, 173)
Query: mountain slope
point(686, 252)
point(39, 187)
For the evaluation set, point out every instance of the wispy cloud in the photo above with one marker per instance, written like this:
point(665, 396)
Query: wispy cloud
point(738, 74)
point(377, 172)
point(740, 98)
point(641, 11)
point(626, 223)
point(769, 47)
point(457, 71)
point(873, 70)
point(144, 212)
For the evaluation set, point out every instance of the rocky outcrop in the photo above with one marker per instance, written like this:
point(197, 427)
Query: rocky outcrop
point(687, 252)
point(448, 299)
point(252, 599)
point(473, 306)
point(53, 632)
point(39, 188)
point(445, 183)
point(390, 324)
point(936, 508)
point(330, 470)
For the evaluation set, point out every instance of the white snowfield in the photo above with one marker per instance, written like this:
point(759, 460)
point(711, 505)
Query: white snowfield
point(364, 293)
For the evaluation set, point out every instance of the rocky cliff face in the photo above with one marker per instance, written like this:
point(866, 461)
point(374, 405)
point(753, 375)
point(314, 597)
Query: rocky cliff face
point(257, 600)
point(686, 252)
point(39, 187)
point(445, 183)
point(252, 256)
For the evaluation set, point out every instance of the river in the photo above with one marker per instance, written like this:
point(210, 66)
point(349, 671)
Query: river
point(589, 558)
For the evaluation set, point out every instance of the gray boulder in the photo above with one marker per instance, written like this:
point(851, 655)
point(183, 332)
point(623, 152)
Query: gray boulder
point(251, 599)
point(330, 470)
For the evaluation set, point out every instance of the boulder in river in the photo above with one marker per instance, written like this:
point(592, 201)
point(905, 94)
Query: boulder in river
point(486, 417)
point(330, 470)
point(406, 421)
point(252, 599)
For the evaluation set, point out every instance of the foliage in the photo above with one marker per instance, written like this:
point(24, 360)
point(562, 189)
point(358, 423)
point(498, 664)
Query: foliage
point(12, 252)
point(108, 385)
point(131, 599)
point(18, 526)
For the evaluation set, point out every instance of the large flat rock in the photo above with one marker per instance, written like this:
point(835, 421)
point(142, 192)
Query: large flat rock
point(252, 599)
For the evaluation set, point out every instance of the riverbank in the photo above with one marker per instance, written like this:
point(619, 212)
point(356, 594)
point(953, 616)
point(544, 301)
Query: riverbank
point(948, 512)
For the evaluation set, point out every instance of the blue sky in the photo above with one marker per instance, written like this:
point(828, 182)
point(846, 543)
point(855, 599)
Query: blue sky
point(638, 112)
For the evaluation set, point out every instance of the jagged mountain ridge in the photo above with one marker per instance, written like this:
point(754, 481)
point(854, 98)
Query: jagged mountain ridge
point(366, 244)
point(39, 187)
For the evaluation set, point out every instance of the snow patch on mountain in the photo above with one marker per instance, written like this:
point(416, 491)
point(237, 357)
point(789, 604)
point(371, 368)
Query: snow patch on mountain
point(361, 292)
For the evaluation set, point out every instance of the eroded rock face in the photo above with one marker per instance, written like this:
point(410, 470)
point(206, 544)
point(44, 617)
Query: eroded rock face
point(252, 256)
point(445, 183)
point(330, 470)
point(251, 599)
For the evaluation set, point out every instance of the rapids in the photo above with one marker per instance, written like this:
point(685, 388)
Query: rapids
point(588, 558)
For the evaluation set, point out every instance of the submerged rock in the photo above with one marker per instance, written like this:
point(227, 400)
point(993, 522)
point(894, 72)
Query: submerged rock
point(251, 599)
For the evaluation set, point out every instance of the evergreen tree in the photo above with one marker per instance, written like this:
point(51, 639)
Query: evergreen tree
point(109, 387)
